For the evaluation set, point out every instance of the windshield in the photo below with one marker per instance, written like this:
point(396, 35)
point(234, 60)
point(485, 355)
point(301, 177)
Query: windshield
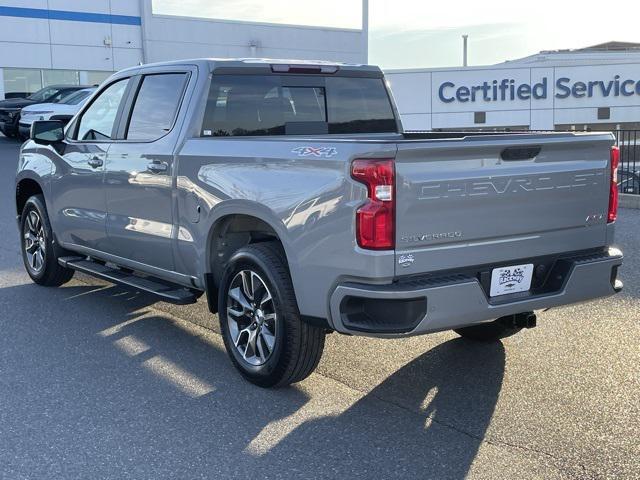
point(76, 97)
point(62, 95)
point(43, 94)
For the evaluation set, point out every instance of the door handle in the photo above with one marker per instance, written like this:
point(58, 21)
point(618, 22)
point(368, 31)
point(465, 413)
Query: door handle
point(95, 162)
point(157, 167)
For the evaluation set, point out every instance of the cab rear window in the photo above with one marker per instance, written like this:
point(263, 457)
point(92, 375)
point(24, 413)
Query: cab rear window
point(254, 105)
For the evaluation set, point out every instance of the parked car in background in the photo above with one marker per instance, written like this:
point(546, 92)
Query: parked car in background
point(629, 181)
point(64, 110)
point(10, 109)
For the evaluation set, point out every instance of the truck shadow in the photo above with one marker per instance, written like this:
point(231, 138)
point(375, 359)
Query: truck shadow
point(128, 391)
point(426, 420)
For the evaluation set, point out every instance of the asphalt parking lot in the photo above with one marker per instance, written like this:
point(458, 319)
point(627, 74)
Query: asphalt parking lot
point(99, 382)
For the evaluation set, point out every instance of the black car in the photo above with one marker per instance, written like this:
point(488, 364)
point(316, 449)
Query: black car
point(10, 109)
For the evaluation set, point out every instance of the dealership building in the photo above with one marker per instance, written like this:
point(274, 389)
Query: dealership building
point(594, 88)
point(45, 42)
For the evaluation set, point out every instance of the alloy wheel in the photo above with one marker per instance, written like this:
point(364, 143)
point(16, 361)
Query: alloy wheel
point(251, 317)
point(34, 242)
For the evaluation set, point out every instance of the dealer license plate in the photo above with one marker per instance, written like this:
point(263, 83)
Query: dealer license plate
point(516, 278)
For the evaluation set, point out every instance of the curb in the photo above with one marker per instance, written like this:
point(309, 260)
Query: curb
point(629, 201)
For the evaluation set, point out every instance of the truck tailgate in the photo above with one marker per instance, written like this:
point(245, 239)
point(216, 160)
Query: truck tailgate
point(493, 199)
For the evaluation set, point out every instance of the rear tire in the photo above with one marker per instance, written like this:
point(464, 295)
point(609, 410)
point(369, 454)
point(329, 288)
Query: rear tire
point(38, 252)
point(488, 332)
point(263, 333)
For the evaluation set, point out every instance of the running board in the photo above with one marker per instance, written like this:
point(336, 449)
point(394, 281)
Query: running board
point(168, 292)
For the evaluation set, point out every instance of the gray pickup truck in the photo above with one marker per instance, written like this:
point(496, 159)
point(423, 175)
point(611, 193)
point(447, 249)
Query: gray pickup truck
point(289, 194)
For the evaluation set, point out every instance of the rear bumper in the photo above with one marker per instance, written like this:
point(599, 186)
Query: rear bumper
point(430, 304)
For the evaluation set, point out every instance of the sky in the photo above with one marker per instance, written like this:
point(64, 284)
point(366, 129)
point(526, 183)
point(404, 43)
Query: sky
point(425, 33)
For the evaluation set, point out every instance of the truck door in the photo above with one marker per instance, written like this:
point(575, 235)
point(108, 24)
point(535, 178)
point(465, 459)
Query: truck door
point(77, 199)
point(139, 171)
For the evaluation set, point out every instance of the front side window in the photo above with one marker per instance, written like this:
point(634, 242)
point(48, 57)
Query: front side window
point(241, 105)
point(156, 106)
point(98, 120)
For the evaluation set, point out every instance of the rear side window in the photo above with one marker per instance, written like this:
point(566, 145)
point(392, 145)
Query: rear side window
point(241, 105)
point(156, 106)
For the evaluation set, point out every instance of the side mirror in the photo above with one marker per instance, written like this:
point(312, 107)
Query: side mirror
point(47, 132)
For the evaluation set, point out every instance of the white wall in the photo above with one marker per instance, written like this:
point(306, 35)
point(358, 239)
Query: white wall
point(80, 45)
point(76, 45)
point(170, 38)
point(417, 95)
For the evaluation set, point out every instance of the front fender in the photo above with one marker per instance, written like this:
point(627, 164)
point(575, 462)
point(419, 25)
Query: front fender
point(34, 165)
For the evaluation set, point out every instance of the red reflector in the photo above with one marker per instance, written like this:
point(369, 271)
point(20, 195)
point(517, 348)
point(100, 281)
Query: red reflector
point(615, 157)
point(613, 188)
point(375, 220)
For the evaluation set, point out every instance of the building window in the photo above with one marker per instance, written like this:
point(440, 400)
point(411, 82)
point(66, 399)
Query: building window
point(60, 77)
point(604, 113)
point(93, 77)
point(21, 82)
point(479, 117)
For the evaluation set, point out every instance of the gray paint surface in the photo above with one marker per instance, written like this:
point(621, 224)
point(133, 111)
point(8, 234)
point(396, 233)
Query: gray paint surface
point(161, 222)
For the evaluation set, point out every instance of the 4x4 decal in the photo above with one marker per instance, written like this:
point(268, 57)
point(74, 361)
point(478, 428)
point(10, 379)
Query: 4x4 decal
point(326, 152)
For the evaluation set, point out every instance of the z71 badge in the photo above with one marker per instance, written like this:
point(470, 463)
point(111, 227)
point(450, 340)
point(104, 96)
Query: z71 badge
point(320, 152)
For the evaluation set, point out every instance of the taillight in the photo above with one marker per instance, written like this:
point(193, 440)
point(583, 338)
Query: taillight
point(375, 220)
point(613, 188)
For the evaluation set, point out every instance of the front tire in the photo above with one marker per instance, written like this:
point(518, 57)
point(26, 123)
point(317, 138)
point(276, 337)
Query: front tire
point(263, 333)
point(38, 252)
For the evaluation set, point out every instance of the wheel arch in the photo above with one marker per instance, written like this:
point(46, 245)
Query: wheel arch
point(234, 229)
point(26, 187)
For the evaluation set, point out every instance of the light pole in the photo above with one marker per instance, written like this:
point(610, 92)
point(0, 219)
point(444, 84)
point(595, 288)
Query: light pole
point(465, 41)
point(365, 29)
